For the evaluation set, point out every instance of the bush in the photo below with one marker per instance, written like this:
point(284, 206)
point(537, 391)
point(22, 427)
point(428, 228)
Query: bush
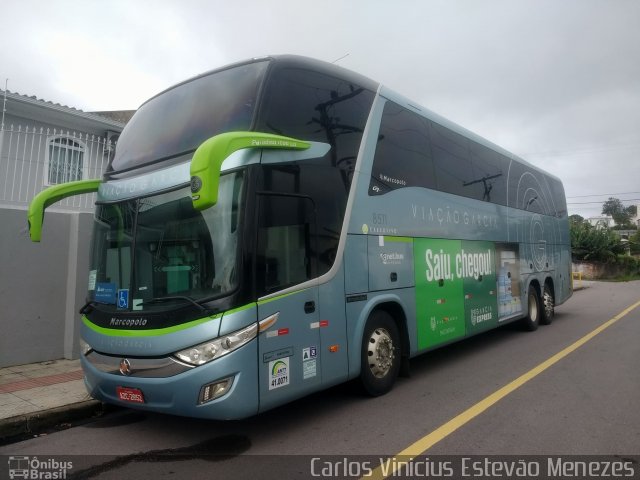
point(634, 243)
point(595, 244)
point(630, 265)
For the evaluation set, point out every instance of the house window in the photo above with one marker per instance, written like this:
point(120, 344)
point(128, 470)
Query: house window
point(66, 155)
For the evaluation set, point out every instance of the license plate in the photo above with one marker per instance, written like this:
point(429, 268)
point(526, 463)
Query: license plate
point(131, 395)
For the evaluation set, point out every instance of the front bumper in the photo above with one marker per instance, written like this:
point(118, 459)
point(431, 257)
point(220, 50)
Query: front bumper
point(178, 394)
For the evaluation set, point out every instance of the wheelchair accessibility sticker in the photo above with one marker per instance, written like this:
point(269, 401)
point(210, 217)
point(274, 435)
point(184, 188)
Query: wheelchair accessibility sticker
point(123, 298)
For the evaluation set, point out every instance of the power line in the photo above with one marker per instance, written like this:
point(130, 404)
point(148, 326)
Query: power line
point(603, 194)
point(600, 202)
point(338, 59)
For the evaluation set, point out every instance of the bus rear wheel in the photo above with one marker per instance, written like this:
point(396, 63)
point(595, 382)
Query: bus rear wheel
point(380, 354)
point(548, 306)
point(532, 320)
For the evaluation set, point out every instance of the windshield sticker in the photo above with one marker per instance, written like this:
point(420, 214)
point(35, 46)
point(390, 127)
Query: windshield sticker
point(105, 293)
point(279, 373)
point(123, 298)
point(92, 280)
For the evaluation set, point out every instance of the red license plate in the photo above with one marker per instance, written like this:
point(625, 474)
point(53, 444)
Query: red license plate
point(132, 395)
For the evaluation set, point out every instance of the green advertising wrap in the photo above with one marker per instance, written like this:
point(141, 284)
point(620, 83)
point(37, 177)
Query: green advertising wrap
point(455, 289)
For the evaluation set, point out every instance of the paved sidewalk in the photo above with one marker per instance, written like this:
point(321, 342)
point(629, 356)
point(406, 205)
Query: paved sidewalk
point(582, 284)
point(40, 394)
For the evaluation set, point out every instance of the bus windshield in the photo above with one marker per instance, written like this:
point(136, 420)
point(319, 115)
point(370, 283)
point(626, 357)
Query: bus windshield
point(159, 246)
point(181, 118)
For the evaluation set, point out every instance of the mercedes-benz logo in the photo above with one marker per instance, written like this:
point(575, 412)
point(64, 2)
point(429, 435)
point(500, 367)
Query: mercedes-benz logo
point(125, 367)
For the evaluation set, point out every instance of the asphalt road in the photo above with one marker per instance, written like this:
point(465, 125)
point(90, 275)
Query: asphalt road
point(585, 403)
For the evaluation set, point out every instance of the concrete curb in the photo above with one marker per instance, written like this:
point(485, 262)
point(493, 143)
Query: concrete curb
point(583, 285)
point(15, 428)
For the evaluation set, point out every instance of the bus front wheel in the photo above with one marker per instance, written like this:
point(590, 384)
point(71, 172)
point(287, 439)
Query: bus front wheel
point(380, 354)
point(532, 320)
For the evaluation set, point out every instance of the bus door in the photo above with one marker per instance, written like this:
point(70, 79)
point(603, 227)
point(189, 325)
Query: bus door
point(289, 345)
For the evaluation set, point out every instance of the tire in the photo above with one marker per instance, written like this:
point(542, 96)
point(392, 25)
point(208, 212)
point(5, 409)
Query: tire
point(548, 306)
point(532, 320)
point(380, 355)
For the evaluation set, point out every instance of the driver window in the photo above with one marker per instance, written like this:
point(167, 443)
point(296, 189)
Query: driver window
point(286, 234)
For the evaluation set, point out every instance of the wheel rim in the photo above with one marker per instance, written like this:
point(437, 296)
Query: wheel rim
point(533, 308)
point(548, 305)
point(380, 352)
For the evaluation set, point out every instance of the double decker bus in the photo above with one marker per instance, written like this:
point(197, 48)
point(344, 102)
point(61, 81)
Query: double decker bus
point(281, 225)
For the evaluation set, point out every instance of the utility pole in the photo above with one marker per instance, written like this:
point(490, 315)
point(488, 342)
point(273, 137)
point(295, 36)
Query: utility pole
point(4, 109)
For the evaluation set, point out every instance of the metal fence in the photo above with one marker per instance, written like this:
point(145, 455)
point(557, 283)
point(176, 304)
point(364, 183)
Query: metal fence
point(32, 158)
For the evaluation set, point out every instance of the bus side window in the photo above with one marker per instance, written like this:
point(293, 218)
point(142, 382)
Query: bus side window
point(403, 152)
point(286, 252)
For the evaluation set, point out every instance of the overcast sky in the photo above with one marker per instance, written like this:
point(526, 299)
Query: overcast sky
point(556, 82)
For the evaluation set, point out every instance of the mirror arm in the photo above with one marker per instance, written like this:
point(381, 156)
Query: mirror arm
point(51, 195)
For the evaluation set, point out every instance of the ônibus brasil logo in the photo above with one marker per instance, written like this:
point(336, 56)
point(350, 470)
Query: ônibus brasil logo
point(35, 468)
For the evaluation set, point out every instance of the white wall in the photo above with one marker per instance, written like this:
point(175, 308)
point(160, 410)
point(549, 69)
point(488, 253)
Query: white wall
point(42, 286)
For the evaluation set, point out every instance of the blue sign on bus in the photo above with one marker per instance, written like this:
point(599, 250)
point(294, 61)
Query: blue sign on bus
point(105, 293)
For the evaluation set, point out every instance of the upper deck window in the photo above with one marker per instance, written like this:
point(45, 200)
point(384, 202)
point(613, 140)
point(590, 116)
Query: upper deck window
point(413, 151)
point(316, 106)
point(178, 120)
point(403, 152)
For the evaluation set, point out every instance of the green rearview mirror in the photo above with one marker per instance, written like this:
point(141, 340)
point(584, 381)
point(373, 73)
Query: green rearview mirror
point(207, 160)
point(52, 195)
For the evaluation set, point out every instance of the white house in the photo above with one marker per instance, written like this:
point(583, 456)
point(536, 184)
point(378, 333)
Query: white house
point(44, 143)
point(604, 221)
point(607, 220)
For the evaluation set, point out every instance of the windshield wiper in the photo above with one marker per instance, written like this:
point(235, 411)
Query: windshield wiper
point(87, 307)
point(184, 298)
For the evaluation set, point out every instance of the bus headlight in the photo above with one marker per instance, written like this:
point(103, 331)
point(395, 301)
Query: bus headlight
point(208, 351)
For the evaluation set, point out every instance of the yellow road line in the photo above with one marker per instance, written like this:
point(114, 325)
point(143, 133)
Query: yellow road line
point(455, 423)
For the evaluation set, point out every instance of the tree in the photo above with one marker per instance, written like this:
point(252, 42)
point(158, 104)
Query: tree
point(576, 219)
point(620, 214)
